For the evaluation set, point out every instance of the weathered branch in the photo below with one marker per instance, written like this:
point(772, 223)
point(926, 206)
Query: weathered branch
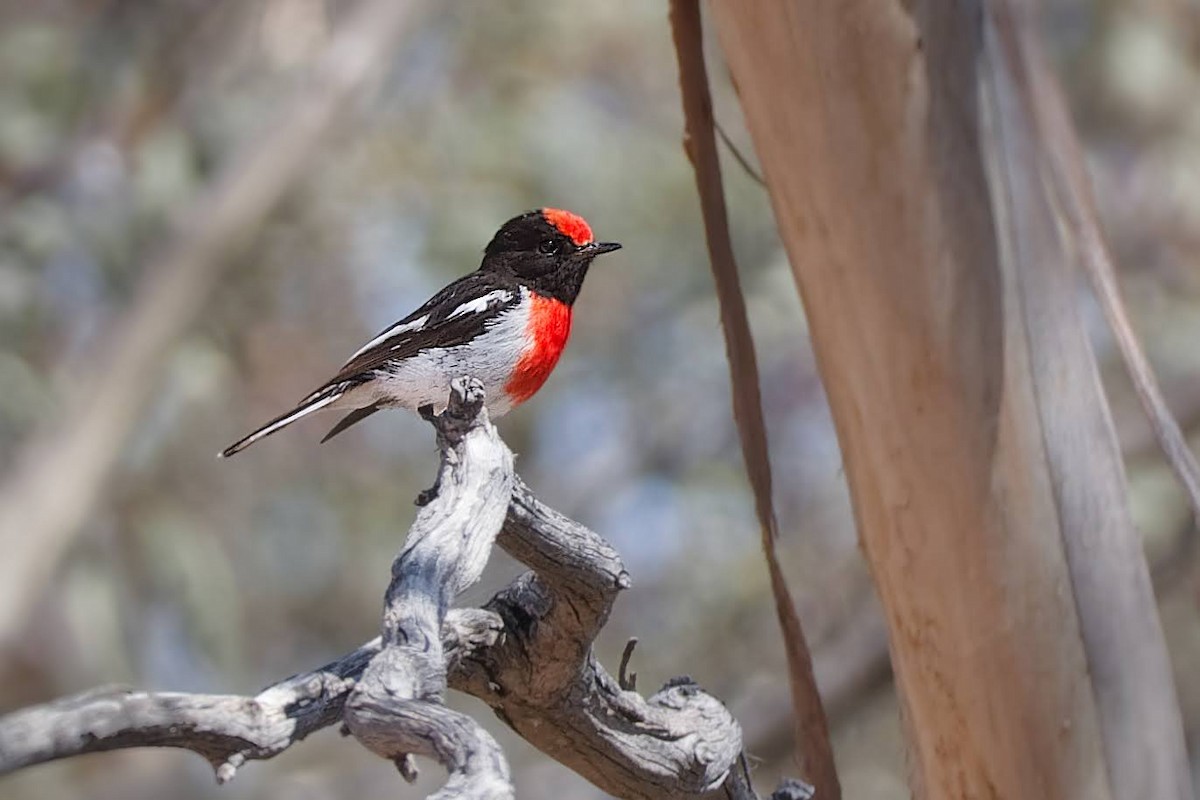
point(543, 681)
point(226, 729)
point(528, 654)
point(397, 708)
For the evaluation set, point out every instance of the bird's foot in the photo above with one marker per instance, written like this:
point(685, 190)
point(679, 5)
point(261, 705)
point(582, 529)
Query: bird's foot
point(427, 496)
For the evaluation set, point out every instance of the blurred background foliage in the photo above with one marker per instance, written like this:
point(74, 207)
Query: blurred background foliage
point(194, 574)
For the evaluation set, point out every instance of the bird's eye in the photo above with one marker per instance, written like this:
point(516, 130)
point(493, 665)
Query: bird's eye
point(548, 247)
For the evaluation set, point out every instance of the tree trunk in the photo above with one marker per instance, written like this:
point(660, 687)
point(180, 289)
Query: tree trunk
point(904, 166)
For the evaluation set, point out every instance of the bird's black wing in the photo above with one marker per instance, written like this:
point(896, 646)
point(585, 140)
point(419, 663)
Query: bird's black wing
point(453, 316)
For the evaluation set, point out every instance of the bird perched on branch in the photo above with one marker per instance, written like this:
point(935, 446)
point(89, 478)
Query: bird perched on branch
point(505, 324)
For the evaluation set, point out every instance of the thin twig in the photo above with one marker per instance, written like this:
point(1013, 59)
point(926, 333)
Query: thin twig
point(738, 157)
point(627, 680)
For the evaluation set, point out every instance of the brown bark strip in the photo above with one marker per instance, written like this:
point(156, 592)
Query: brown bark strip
point(814, 752)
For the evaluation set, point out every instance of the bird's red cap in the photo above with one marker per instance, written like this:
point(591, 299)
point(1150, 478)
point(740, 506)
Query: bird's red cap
point(570, 225)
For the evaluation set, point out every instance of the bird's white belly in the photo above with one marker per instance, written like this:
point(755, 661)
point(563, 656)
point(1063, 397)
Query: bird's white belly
point(424, 379)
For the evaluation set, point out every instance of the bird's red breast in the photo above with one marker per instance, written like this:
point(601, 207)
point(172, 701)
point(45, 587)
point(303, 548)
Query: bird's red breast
point(549, 327)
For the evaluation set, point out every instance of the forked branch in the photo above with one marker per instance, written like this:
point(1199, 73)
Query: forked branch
point(527, 654)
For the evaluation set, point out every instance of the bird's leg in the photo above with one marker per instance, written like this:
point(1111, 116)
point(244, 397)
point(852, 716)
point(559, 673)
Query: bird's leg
point(427, 495)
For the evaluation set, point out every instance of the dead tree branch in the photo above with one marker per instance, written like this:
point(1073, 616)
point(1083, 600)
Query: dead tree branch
point(397, 707)
point(527, 654)
point(227, 730)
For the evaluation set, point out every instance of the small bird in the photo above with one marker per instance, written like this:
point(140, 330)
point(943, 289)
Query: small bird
point(505, 324)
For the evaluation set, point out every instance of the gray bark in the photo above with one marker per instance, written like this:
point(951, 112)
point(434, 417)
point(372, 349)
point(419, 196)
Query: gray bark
point(527, 654)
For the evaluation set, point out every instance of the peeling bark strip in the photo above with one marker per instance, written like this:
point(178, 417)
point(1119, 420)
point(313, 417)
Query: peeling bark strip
point(528, 655)
point(911, 192)
point(814, 753)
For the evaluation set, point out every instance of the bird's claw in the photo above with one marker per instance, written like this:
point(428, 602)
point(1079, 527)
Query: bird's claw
point(427, 496)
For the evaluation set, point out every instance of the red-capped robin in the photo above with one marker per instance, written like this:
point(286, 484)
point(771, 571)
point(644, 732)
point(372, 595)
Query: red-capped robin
point(505, 324)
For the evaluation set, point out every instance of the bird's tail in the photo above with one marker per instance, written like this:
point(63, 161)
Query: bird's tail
point(314, 402)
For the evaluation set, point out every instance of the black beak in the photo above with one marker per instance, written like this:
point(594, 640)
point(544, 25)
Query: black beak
point(594, 249)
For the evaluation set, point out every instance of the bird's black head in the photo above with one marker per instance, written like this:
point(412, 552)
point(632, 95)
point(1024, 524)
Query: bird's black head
point(549, 250)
